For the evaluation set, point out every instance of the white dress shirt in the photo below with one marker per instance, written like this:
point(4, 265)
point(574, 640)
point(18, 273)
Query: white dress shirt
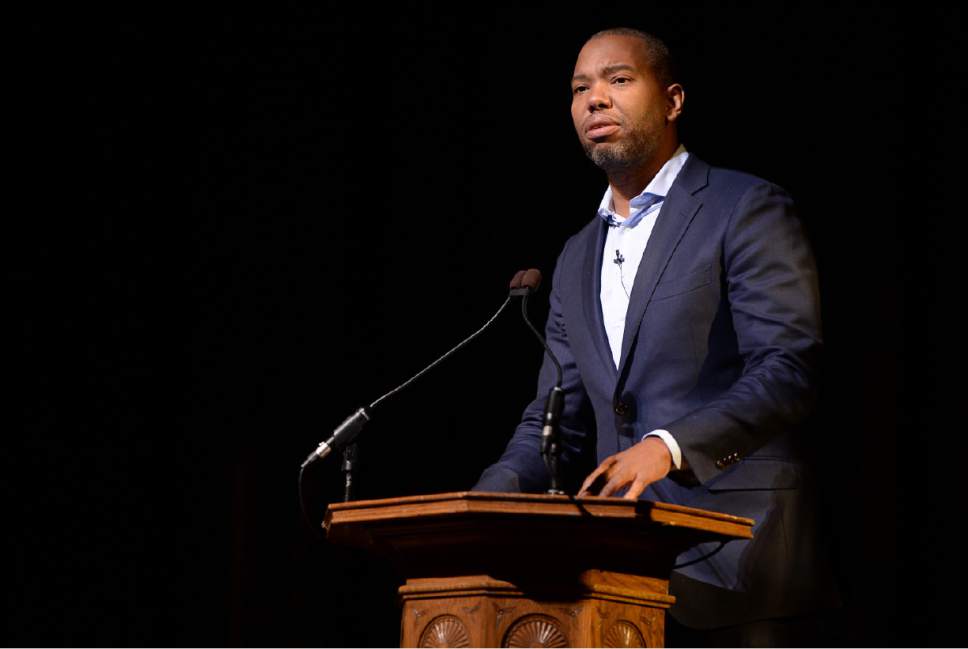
point(625, 244)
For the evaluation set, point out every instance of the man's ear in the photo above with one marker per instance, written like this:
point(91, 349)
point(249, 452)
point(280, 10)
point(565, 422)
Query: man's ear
point(675, 98)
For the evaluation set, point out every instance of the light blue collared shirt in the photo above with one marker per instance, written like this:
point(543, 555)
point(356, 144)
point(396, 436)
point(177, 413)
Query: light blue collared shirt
point(625, 244)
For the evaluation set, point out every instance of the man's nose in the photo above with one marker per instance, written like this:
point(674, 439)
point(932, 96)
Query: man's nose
point(598, 96)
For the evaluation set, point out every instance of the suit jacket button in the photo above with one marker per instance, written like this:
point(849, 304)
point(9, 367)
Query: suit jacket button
point(621, 408)
point(720, 464)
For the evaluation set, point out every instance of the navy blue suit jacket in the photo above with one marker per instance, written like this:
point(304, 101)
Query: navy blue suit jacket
point(721, 348)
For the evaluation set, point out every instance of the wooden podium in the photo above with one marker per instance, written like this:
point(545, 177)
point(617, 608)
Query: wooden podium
point(530, 570)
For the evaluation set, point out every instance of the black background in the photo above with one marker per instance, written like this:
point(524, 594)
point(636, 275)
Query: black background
point(231, 230)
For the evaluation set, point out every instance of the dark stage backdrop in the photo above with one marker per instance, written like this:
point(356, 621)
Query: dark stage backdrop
point(237, 228)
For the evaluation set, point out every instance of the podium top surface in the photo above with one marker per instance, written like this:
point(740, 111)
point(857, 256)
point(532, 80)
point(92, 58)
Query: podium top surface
point(533, 508)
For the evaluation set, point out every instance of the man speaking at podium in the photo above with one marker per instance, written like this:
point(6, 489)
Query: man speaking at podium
point(686, 318)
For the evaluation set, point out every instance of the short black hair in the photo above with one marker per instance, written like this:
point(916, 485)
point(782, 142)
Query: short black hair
point(660, 60)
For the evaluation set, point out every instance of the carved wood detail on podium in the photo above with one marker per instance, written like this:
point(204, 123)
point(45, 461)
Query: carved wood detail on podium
point(493, 570)
point(444, 631)
point(623, 634)
point(535, 631)
point(499, 613)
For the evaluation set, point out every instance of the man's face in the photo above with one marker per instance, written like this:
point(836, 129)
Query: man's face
point(619, 108)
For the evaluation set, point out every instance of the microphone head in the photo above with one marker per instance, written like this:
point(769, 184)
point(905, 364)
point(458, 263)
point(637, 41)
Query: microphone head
point(525, 282)
point(531, 279)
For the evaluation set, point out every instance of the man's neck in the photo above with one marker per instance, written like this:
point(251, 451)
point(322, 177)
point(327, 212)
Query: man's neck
point(628, 183)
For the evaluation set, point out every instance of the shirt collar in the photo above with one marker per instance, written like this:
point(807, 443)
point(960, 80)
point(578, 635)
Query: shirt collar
point(659, 186)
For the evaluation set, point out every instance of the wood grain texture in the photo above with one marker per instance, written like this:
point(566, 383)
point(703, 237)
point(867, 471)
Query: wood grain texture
point(491, 569)
point(476, 502)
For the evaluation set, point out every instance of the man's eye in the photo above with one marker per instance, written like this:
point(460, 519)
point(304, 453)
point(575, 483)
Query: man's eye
point(622, 79)
point(578, 89)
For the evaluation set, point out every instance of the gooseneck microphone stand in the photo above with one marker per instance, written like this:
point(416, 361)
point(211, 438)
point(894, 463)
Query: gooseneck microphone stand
point(345, 434)
point(550, 437)
point(343, 438)
point(351, 455)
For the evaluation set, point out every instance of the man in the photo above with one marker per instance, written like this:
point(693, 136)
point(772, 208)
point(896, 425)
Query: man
point(686, 318)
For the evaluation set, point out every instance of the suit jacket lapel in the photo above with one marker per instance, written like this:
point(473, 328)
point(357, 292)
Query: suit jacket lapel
point(591, 279)
point(677, 211)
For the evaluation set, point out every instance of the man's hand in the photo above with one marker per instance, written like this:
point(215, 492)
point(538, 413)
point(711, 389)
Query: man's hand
point(639, 466)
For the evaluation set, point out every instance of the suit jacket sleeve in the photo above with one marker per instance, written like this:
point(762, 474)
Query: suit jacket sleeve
point(521, 467)
point(772, 288)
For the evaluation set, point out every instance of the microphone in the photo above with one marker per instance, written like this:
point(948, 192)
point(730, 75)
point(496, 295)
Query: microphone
point(344, 434)
point(528, 282)
point(550, 448)
point(523, 283)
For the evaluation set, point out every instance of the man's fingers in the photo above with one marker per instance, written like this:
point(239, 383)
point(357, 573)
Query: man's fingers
point(613, 485)
point(628, 468)
point(593, 476)
point(636, 489)
point(588, 481)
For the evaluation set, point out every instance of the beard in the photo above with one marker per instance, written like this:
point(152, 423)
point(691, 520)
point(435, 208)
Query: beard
point(635, 149)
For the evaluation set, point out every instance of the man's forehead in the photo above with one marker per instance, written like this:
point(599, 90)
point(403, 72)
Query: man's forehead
point(610, 52)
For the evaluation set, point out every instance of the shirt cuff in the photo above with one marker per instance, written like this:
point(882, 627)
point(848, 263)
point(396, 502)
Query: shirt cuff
point(670, 441)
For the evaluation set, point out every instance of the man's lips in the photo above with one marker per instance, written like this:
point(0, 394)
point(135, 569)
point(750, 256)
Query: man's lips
point(601, 131)
point(600, 128)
